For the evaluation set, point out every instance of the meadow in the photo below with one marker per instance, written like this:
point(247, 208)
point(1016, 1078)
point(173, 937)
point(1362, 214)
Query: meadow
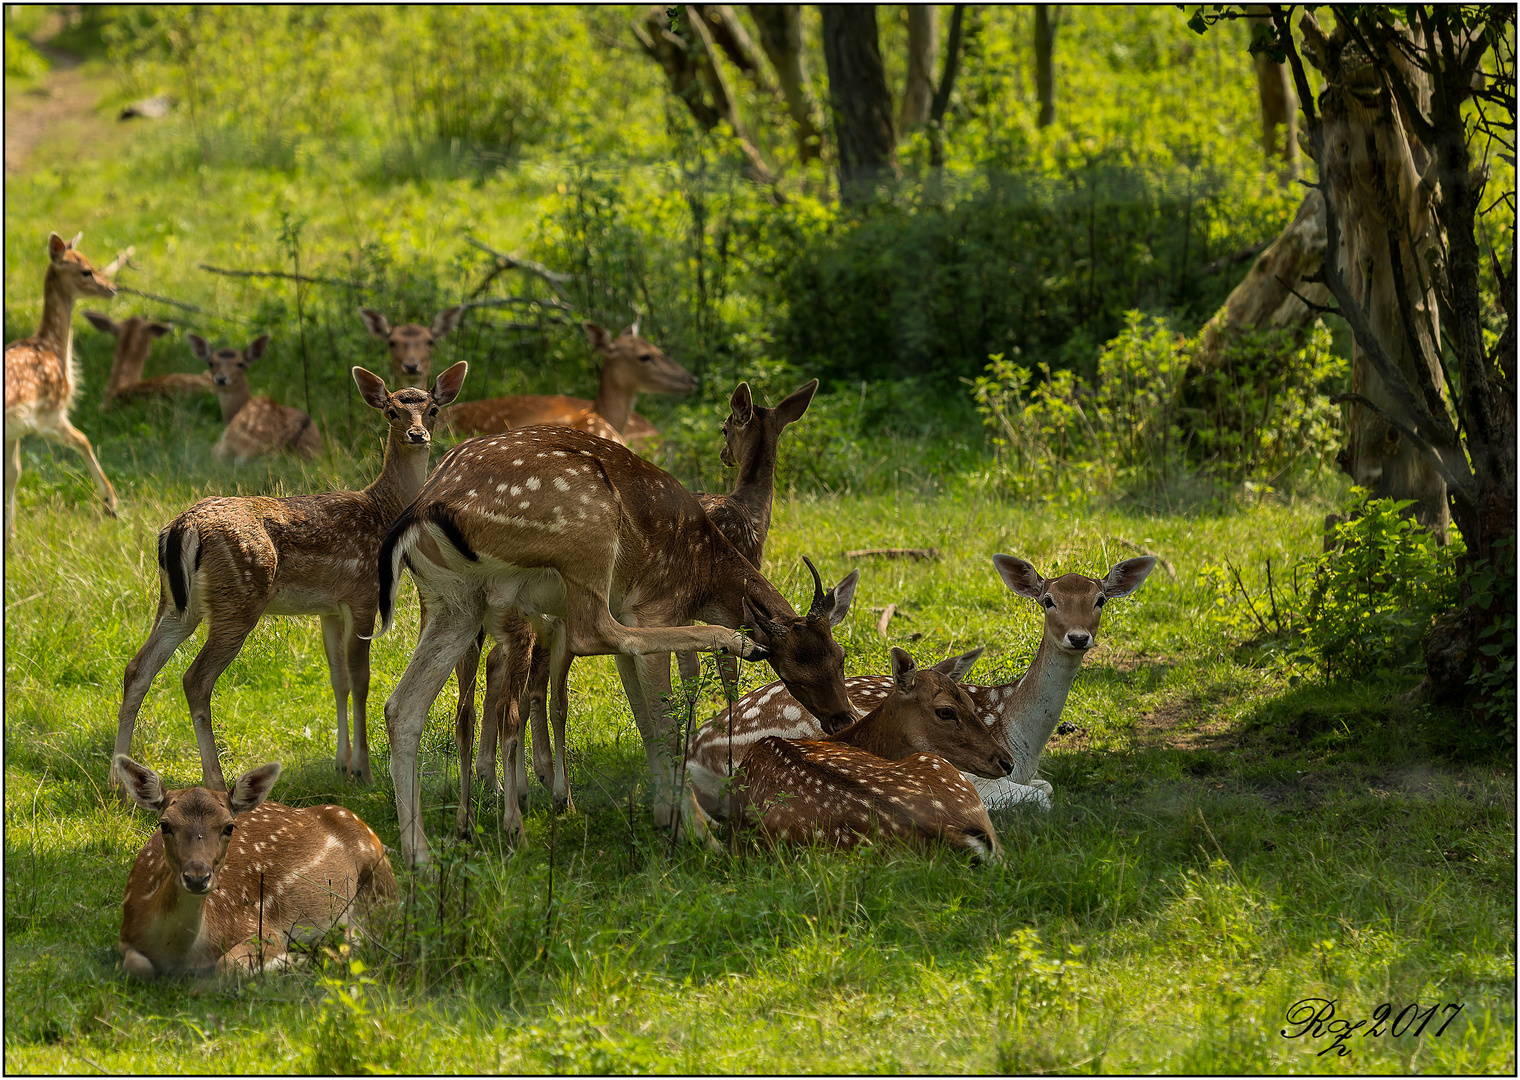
point(1234, 831)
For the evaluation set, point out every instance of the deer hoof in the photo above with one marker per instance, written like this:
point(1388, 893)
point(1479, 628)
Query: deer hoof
point(564, 806)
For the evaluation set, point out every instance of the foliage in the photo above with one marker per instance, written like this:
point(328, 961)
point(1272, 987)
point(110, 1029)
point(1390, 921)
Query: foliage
point(1488, 587)
point(349, 1037)
point(22, 61)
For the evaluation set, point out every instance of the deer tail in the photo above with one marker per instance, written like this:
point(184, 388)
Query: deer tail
point(403, 532)
point(179, 557)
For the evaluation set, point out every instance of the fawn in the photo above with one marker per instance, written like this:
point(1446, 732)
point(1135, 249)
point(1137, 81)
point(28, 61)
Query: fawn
point(134, 340)
point(255, 425)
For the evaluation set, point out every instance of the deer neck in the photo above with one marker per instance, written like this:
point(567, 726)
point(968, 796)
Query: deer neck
point(57, 328)
point(613, 403)
point(232, 399)
point(173, 919)
point(875, 733)
point(1029, 713)
point(755, 488)
point(401, 476)
point(125, 368)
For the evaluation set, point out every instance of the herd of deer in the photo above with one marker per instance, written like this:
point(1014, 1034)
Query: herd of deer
point(549, 534)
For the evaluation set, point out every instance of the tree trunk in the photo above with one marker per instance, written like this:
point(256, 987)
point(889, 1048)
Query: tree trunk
point(1279, 104)
point(858, 95)
point(946, 85)
point(923, 49)
point(780, 27)
point(1045, 23)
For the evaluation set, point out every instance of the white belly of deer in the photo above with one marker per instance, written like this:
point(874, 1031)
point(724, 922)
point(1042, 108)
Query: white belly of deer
point(295, 600)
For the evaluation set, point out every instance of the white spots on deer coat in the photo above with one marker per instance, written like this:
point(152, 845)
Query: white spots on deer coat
point(517, 461)
point(532, 482)
point(561, 483)
point(792, 712)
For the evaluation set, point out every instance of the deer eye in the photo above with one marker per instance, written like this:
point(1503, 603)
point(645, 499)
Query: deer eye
point(947, 715)
point(165, 829)
point(227, 830)
point(1048, 602)
point(433, 411)
point(646, 357)
point(1100, 601)
point(390, 414)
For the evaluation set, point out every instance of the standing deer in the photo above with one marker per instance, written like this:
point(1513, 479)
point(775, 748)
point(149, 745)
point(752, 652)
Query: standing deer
point(134, 340)
point(255, 425)
point(231, 561)
point(40, 374)
point(630, 366)
point(552, 521)
point(228, 881)
point(1019, 715)
point(896, 771)
point(411, 345)
point(750, 437)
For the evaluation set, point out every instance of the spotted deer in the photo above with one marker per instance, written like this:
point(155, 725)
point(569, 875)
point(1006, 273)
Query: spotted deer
point(630, 366)
point(895, 772)
point(231, 561)
point(410, 344)
point(750, 437)
point(255, 425)
point(40, 373)
point(552, 521)
point(229, 881)
point(1019, 715)
point(134, 340)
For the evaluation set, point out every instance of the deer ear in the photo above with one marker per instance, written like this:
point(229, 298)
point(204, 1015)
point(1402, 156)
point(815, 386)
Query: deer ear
point(144, 786)
point(904, 671)
point(741, 404)
point(796, 403)
point(445, 321)
point(598, 336)
point(371, 388)
point(252, 787)
point(256, 347)
point(104, 323)
point(447, 386)
point(56, 246)
point(954, 668)
point(633, 328)
point(159, 329)
point(1127, 576)
point(756, 619)
point(844, 593)
point(199, 346)
point(376, 323)
point(1019, 576)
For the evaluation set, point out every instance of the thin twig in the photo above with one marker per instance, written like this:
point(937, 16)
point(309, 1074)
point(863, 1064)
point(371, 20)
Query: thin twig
point(175, 303)
point(1247, 595)
point(894, 553)
point(288, 277)
point(507, 301)
point(512, 262)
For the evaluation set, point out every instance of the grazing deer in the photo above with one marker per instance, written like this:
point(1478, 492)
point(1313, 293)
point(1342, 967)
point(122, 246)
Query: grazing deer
point(750, 436)
point(40, 375)
point(255, 425)
point(630, 366)
point(896, 771)
point(552, 521)
point(1019, 715)
point(228, 881)
point(134, 340)
point(231, 561)
point(411, 345)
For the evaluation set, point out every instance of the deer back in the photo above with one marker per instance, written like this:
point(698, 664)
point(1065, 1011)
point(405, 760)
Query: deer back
point(263, 427)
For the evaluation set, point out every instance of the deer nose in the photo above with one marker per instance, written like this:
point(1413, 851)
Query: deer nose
point(1078, 639)
point(220, 380)
point(196, 882)
point(1006, 765)
point(417, 437)
point(838, 722)
point(410, 368)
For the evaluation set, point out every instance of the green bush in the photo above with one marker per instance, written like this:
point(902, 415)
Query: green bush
point(22, 61)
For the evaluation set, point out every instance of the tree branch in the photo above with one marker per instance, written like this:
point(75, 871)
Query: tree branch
point(512, 262)
point(287, 277)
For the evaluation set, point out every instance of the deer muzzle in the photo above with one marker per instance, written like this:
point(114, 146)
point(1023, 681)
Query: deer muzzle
point(196, 878)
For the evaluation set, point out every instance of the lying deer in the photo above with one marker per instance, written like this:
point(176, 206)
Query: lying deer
point(750, 437)
point(40, 375)
point(630, 366)
point(895, 772)
point(228, 881)
point(231, 561)
point(552, 521)
point(1019, 715)
point(134, 340)
point(411, 345)
point(255, 425)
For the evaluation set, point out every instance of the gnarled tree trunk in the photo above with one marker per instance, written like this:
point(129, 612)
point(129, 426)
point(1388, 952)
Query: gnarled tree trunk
point(923, 49)
point(780, 27)
point(861, 102)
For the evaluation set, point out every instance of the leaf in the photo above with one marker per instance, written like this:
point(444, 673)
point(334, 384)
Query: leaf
point(1198, 24)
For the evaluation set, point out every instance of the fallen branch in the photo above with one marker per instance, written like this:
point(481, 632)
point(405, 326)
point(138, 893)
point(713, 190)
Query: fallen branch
point(895, 553)
point(287, 277)
point(886, 619)
point(174, 303)
point(508, 301)
point(512, 262)
point(1163, 563)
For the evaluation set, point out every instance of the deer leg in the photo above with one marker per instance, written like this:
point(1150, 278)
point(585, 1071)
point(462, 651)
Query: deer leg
point(538, 715)
point(337, 674)
point(170, 629)
point(224, 640)
point(448, 633)
point(559, 667)
point(648, 690)
point(358, 684)
point(506, 672)
point(12, 477)
point(69, 435)
point(464, 732)
point(485, 761)
point(594, 632)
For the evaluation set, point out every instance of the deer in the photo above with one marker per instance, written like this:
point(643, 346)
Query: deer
point(750, 437)
point(551, 521)
point(231, 561)
point(630, 366)
point(40, 374)
point(411, 345)
point(1020, 715)
point(255, 425)
point(229, 881)
point(896, 772)
point(134, 340)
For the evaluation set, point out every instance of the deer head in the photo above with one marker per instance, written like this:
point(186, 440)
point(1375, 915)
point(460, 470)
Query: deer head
point(1073, 603)
point(229, 367)
point(411, 345)
point(412, 413)
point(634, 366)
point(72, 272)
point(197, 823)
point(750, 427)
point(802, 650)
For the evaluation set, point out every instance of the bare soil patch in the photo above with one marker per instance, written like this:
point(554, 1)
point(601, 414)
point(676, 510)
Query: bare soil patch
point(58, 116)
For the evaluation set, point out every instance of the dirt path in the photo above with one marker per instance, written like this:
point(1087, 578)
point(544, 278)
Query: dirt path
point(60, 110)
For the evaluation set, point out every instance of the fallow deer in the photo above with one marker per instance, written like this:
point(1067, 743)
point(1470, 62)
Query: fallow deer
point(552, 521)
point(40, 375)
point(229, 881)
point(630, 366)
point(750, 437)
point(1019, 715)
point(255, 425)
point(134, 340)
point(896, 772)
point(231, 561)
point(411, 344)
